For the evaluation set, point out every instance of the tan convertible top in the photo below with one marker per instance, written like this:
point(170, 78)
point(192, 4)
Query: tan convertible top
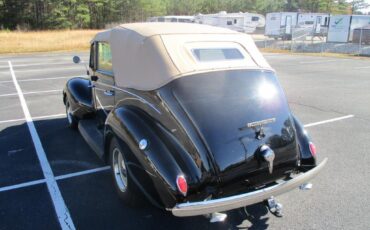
point(146, 56)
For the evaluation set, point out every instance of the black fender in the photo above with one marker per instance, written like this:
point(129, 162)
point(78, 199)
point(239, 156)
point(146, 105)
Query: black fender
point(78, 92)
point(307, 160)
point(161, 161)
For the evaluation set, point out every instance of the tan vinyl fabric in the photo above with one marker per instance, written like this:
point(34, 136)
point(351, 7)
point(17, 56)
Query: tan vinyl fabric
point(146, 56)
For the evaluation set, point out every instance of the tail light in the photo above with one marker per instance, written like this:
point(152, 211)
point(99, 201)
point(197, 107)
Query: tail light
point(182, 185)
point(313, 149)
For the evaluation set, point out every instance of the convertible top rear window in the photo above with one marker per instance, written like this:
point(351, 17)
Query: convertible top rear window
point(217, 54)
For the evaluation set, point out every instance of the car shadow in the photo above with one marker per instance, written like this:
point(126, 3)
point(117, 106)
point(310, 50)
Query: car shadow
point(252, 217)
point(91, 199)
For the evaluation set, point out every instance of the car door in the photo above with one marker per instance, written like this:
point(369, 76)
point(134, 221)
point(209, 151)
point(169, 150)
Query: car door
point(104, 91)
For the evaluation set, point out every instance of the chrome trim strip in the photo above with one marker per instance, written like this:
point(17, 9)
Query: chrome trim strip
point(242, 200)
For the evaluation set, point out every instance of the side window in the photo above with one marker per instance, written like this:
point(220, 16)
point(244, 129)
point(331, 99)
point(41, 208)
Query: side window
point(92, 56)
point(104, 57)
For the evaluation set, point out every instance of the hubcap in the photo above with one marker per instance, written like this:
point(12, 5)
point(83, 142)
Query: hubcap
point(119, 169)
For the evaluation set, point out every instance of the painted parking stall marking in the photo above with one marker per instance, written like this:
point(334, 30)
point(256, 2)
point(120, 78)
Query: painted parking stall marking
point(329, 121)
point(34, 92)
point(40, 79)
point(35, 118)
point(60, 207)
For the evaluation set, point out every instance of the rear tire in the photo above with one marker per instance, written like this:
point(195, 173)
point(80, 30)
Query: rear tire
point(125, 186)
point(72, 120)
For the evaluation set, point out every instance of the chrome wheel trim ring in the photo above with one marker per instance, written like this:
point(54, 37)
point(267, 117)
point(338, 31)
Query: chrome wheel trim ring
point(119, 170)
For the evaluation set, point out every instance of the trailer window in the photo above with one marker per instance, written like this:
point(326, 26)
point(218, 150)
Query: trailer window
point(229, 23)
point(309, 22)
point(256, 19)
point(217, 54)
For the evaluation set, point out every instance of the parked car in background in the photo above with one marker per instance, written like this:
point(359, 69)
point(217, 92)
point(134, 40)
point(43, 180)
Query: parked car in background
point(190, 116)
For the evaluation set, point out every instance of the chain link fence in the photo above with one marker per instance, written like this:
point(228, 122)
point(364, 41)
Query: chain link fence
point(311, 40)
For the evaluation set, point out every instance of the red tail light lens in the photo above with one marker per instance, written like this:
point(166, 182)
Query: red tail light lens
point(313, 149)
point(182, 185)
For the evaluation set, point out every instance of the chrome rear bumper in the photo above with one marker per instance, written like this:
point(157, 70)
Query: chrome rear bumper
point(237, 201)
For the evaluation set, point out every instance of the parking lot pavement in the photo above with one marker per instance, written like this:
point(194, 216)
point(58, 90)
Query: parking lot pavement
point(329, 95)
point(27, 208)
point(18, 161)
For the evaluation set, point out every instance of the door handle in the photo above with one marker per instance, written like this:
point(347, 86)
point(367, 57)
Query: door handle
point(108, 92)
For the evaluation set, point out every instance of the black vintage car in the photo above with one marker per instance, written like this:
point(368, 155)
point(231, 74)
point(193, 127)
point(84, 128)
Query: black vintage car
point(190, 116)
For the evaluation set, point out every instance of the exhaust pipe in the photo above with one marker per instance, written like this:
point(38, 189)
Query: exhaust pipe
point(305, 186)
point(216, 217)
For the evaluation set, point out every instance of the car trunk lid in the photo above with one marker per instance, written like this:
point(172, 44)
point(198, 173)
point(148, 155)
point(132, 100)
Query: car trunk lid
point(236, 113)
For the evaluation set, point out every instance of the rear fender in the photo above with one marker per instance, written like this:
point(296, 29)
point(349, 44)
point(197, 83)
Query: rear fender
point(130, 125)
point(78, 92)
point(308, 161)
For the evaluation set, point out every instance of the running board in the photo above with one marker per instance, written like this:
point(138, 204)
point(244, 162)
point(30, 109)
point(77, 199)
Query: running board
point(92, 135)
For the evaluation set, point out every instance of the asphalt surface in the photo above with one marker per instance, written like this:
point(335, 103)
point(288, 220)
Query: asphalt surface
point(317, 88)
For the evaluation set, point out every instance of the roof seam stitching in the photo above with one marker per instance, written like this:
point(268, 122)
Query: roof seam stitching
point(165, 47)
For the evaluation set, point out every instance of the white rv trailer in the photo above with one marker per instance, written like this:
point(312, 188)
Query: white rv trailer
point(242, 22)
point(280, 24)
point(172, 18)
point(319, 22)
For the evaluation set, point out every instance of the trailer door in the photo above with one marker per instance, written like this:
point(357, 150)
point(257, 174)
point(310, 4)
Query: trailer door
point(288, 24)
point(273, 24)
point(318, 24)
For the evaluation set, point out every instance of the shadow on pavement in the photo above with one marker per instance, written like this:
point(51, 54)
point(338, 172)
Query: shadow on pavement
point(91, 199)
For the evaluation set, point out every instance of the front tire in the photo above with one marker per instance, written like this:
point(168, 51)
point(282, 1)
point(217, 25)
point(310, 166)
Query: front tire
point(125, 187)
point(72, 120)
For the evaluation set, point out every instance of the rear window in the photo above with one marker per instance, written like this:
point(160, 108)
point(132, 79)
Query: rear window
point(217, 54)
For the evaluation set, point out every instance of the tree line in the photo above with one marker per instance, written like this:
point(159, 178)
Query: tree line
point(96, 14)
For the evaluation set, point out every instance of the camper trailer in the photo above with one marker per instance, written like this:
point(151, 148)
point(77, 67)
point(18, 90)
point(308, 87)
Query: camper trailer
point(173, 18)
point(280, 24)
point(242, 22)
point(319, 22)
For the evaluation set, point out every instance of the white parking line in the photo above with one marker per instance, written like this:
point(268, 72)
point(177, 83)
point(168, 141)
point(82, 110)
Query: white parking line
point(34, 92)
point(22, 185)
point(61, 177)
point(40, 79)
point(90, 171)
point(38, 64)
point(328, 121)
point(60, 207)
point(362, 67)
point(43, 70)
point(317, 62)
point(35, 118)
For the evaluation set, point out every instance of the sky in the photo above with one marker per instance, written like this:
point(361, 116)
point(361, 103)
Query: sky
point(368, 9)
